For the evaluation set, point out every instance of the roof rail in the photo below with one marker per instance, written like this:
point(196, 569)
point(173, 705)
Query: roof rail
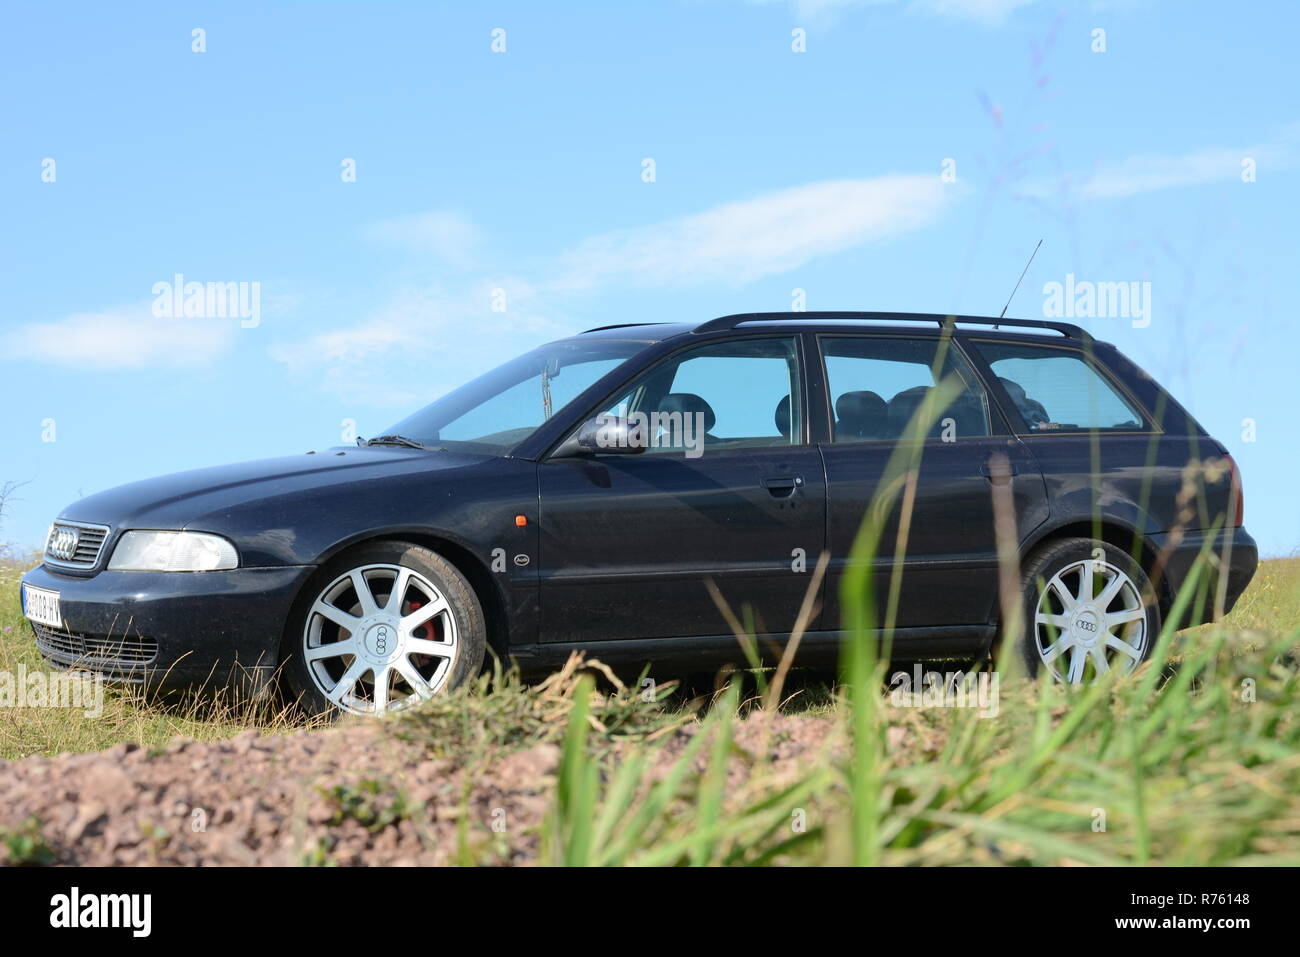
point(1068, 330)
point(620, 325)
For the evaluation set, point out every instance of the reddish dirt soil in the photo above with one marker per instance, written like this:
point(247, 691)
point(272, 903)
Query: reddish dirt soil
point(271, 800)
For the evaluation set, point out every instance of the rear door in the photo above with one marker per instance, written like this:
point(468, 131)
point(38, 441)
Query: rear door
point(730, 491)
point(875, 384)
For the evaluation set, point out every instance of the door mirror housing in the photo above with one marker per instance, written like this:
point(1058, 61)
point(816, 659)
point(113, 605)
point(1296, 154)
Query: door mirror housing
point(604, 435)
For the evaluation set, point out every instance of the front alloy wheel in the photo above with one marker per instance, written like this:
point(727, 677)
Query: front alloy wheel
point(377, 636)
point(1089, 612)
point(395, 624)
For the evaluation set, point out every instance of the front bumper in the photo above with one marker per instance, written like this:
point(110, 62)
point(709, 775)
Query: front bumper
point(171, 629)
point(1234, 571)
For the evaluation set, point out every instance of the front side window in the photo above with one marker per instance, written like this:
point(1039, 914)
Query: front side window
point(878, 384)
point(733, 395)
point(1058, 390)
point(498, 410)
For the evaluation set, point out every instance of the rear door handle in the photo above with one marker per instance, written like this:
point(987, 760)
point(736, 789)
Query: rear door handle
point(1002, 468)
point(779, 482)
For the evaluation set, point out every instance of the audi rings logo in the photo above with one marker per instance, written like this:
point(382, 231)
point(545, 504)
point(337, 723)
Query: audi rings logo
point(1087, 625)
point(63, 543)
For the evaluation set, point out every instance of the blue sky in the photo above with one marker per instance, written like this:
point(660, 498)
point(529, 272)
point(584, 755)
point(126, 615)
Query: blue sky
point(522, 172)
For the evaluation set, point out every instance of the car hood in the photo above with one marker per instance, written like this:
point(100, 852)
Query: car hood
point(197, 497)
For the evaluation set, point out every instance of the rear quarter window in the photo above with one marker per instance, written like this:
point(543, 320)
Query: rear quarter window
point(1059, 390)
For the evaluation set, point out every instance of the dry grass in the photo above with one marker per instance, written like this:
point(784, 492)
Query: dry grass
point(1193, 760)
point(127, 716)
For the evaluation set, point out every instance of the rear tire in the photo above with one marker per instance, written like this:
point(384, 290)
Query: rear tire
point(354, 645)
point(1088, 608)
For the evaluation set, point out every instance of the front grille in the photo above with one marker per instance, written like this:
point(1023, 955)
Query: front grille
point(75, 544)
point(122, 657)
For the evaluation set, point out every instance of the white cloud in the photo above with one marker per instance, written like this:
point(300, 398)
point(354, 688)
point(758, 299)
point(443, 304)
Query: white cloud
point(424, 340)
point(128, 337)
point(820, 9)
point(420, 344)
point(742, 241)
point(988, 12)
point(1151, 172)
point(447, 236)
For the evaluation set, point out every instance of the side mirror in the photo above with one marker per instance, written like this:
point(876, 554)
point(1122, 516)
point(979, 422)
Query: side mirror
point(605, 435)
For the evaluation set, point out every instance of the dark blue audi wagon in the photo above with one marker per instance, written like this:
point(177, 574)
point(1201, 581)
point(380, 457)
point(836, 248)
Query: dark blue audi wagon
point(583, 495)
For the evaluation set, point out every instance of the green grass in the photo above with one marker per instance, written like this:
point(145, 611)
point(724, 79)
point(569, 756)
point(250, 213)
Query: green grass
point(127, 716)
point(1270, 607)
point(26, 845)
point(1193, 760)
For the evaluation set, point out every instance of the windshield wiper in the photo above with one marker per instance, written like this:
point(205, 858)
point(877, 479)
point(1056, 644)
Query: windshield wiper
point(393, 440)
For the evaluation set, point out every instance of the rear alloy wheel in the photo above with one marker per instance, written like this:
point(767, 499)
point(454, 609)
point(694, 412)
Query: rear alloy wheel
point(1089, 611)
point(395, 624)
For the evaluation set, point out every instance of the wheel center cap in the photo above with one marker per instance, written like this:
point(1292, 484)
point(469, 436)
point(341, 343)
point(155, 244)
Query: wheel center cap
point(381, 643)
point(1086, 628)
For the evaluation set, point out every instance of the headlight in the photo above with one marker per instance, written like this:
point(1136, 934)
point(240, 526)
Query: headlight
point(172, 552)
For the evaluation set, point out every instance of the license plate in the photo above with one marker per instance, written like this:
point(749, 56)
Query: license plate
point(42, 606)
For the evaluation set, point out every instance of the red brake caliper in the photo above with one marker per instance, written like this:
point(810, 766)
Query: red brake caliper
point(424, 631)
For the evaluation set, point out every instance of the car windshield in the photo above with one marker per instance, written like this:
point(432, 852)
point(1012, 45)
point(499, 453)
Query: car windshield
point(495, 412)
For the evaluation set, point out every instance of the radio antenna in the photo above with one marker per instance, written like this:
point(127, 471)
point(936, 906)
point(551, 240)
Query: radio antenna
point(1019, 281)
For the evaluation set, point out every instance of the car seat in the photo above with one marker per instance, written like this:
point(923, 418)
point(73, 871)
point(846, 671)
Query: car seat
point(783, 416)
point(860, 415)
point(690, 404)
point(1031, 410)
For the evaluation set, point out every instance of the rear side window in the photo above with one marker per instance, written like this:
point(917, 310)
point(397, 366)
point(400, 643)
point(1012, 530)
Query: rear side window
point(1056, 390)
point(877, 384)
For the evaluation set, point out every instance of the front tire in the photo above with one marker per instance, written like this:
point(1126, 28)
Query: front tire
point(1089, 609)
point(380, 628)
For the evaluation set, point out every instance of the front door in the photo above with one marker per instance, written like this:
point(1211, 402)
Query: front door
point(730, 492)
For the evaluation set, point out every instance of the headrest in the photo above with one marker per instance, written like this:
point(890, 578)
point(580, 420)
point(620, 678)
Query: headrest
point(1014, 389)
point(688, 403)
point(860, 414)
point(904, 405)
point(1031, 410)
point(783, 416)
